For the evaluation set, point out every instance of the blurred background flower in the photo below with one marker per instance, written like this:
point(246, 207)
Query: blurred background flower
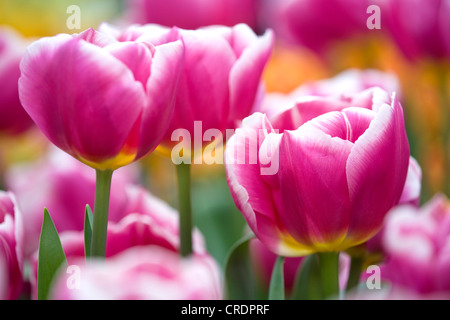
point(64, 186)
point(193, 14)
point(144, 273)
point(416, 242)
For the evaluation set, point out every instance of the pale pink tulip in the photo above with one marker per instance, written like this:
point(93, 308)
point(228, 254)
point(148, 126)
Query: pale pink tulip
point(147, 222)
point(417, 244)
point(143, 273)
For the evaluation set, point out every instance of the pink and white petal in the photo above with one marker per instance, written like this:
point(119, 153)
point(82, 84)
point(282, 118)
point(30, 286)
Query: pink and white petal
point(408, 241)
point(376, 171)
point(163, 217)
point(98, 38)
point(245, 76)
point(314, 202)
point(240, 37)
point(136, 56)
point(250, 193)
point(162, 87)
point(358, 121)
point(305, 109)
point(413, 184)
point(208, 61)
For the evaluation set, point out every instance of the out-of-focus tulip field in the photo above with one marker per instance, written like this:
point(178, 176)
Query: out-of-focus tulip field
point(224, 150)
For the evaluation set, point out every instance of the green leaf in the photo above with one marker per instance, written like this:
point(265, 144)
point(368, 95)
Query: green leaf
point(51, 256)
point(239, 278)
point(276, 288)
point(88, 220)
point(308, 284)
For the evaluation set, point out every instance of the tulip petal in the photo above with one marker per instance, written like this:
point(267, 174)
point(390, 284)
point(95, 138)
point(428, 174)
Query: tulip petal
point(376, 169)
point(250, 193)
point(162, 86)
point(100, 39)
point(411, 190)
point(136, 56)
point(246, 74)
point(305, 109)
point(203, 89)
point(313, 199)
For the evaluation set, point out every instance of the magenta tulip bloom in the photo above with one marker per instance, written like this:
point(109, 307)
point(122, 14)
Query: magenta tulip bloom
point(417, 244)
point(420, 28)
point(64, 186)
point(221, 79)
point(11, 251)
point(192, 14)
point(13, 118)
point(143, 273)
point(325, 186)
point(106, 103)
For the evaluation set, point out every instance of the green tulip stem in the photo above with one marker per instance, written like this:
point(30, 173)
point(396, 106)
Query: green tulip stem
point(101, 208)
point(185, 208)
point(329, 272)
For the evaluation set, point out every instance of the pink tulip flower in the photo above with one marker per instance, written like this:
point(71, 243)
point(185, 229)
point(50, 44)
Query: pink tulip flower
point(192, 14)
point(11, 247)
point(13, 118)
point(64, 186)
point(420, 28)
point(416, 242)
point(350, 88)
point(147, 222)
point(142, 273)
point(106, 103)
point(325, 186)
point(221, 80)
